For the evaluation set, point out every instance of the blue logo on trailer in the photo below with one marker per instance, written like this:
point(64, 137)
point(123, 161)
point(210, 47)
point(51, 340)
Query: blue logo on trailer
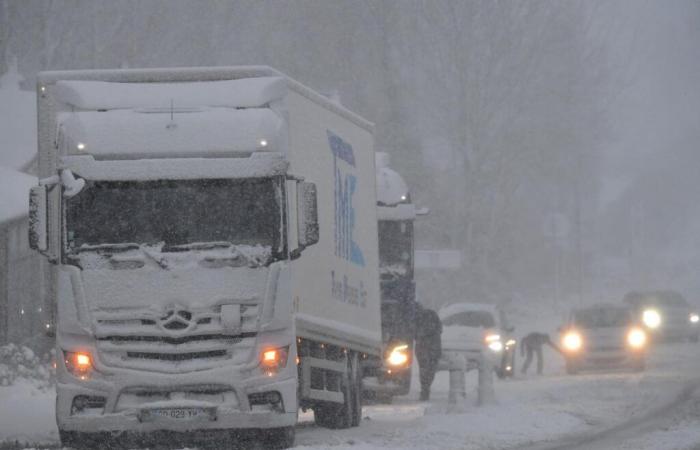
point(345, 187)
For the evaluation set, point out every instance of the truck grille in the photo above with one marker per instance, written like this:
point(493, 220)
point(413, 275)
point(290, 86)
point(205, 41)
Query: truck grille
point(175, 342)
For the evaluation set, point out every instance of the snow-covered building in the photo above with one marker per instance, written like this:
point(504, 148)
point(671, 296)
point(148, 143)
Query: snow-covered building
point(22, 315)
point(21, 305)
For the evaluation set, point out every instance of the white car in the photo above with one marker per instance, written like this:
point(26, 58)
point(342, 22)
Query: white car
point(472, 328)
point(603, 336)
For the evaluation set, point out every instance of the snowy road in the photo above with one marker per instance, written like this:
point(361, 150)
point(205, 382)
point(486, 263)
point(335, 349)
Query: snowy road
point(589, 411)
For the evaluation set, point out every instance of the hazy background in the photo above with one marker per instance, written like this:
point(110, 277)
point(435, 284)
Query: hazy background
point(556, 143)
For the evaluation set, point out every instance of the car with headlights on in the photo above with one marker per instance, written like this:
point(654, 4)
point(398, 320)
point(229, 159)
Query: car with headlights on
point(603, 336)
point(472, 328)
point(666, 315)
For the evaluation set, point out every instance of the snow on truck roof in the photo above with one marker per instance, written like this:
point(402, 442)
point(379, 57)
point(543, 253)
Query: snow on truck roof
point(138, 133)
point(199, 74)
point(392, 192)
point(132, 120)
point(106, 95)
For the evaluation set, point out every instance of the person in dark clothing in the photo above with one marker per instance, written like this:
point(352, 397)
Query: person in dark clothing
point(532, 344)
point(428, 348)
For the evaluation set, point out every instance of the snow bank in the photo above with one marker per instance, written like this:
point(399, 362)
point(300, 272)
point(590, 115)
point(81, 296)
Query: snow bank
point(21, 362)
point(101, 95)
point(14, 193)
point(27, 413)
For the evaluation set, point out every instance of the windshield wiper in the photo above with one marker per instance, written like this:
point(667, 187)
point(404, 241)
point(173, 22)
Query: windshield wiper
point(122, 247)
point(195, 246)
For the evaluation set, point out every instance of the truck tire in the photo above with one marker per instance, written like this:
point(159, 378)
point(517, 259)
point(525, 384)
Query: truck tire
point(87, 441)
point(279, 438)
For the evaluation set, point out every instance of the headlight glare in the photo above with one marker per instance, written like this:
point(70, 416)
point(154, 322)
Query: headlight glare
point(694, 318)
point(273, 359)
point(79, 364)
point(496, 346)
point(572, 341)
point(651, 318)
point(636, 338)
point(398, 356)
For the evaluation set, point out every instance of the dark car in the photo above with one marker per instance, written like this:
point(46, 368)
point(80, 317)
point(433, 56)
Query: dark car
point(666, 315)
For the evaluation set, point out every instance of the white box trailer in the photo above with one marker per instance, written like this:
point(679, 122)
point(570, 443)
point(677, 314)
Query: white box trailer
point(212, 235)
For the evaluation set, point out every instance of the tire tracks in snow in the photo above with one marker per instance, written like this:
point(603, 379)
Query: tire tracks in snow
point(654, 419)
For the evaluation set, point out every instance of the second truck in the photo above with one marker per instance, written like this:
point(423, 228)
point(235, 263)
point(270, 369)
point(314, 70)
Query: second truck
point(390, 375)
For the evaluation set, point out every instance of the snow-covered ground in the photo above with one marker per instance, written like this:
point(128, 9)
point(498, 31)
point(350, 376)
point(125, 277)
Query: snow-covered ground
point(530, 411)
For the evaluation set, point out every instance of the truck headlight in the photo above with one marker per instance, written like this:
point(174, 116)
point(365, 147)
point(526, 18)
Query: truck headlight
point(493, 341)
point(636, 338)
point(79, 364)
point(694, 318)
point(398, 356)
point(651, 318)
point(273, 359)
point(572, 341)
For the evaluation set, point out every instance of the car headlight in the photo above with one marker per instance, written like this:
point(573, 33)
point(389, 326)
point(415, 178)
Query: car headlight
point(572, 341)
point(398, 356)
point(651, 318)
point(493, 341)
point(694, 318)
point(636, 338)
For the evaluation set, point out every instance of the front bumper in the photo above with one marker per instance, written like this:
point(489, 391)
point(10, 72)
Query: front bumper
point(607, 359)
point(127, 398)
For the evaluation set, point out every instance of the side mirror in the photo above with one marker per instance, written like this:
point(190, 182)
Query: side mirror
point(38, 222)
point(307, 210)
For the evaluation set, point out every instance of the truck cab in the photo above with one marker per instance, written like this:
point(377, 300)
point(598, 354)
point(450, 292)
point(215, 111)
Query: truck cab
point(177, 211)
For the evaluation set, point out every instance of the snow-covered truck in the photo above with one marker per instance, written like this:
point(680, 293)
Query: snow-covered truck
point(212, 239)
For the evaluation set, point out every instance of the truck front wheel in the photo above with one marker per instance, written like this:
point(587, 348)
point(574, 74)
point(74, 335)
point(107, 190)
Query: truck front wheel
point(349, 413)
point(279, 438)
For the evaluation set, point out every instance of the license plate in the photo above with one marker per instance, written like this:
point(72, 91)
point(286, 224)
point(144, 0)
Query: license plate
point(150, 415)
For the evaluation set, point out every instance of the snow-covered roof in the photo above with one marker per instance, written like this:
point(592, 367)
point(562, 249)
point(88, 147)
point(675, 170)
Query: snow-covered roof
point(258, 165)
point(145, 133)
point(102, 95)
point(465, 307)
point(18, 125)
point(391, 188)
point(14, 194)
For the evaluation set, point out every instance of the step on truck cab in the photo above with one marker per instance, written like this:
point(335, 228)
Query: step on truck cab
point(211, 239)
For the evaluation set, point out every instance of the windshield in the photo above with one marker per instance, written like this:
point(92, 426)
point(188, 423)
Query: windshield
point(473, 319)
point(176, 213)
point(395, 248)
point(602, 318)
